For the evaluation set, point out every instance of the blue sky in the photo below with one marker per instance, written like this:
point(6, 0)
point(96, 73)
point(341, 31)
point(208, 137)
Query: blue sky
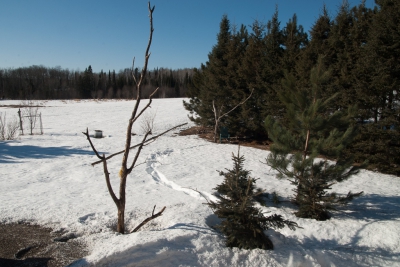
point(74, 34)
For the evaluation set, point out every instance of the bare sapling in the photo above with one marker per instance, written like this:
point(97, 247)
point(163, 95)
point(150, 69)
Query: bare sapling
point(147, 122)
point(8, 130)
point(127, 165)
point(30, 111)
point(218, 114)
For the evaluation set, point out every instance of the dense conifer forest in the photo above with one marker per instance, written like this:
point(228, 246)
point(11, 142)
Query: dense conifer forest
point(360, 50)
point(40, 82)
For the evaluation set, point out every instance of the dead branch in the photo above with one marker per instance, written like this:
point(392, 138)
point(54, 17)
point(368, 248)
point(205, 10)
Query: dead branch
point(218, 117)
point(241, 103)
point(91, 144)
point(153, 216)
point(137, 145)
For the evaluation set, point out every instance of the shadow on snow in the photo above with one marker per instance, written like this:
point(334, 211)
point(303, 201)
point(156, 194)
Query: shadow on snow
point(9, 153)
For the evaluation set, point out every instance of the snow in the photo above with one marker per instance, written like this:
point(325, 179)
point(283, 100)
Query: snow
point(48, 179)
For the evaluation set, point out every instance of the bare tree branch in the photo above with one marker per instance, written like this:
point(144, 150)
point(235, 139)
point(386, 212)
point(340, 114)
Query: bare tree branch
point(109, 187)
point(147, 106)
point(153, 216)
point(241, 103)
point(132, 147)
point(138, 152)
point(91, 144)
point(218, 117)
point(133, 71)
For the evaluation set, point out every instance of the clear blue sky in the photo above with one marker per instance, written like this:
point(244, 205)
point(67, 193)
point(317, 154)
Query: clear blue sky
point(74, 34)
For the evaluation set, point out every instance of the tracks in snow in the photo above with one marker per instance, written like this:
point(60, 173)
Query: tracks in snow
point(153, 160)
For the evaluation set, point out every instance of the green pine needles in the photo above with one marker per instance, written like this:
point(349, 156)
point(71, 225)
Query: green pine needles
point(243, 224)
point(308, 130)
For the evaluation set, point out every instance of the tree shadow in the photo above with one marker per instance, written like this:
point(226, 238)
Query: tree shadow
point(330, 252)
point(371, 207)
point(193, 227)
point(31, 262)
point(9, 153)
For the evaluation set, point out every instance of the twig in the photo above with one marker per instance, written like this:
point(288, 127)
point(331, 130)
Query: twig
point(153, 216)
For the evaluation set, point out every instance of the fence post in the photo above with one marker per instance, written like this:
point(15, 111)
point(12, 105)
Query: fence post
point(20, 121)
point(41, 125)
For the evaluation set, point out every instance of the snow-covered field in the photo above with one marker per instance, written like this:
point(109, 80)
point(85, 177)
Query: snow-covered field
point(48, 179)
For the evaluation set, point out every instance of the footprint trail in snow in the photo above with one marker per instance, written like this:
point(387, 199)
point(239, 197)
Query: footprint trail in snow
point(154, 159)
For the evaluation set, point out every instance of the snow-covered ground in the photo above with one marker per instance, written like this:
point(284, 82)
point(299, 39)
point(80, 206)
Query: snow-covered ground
point(48, 179)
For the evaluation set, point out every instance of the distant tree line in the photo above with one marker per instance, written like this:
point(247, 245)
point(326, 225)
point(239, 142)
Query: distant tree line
point(39, 82)
point(360, 47)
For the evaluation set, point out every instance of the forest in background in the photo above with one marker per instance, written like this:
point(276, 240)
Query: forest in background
point(40, 82)
point(360, 49)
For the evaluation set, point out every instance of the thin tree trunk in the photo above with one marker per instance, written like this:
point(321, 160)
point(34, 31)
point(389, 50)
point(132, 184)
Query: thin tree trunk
point(306, 145)
point(216, 131)
point(121, 219)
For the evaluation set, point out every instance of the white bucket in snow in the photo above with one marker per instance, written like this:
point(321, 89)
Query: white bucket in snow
point(98, 134)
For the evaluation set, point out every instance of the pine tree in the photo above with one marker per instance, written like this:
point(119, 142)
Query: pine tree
point(318, 45)
point(242, 223)
point(251, 71)
point(307, 131)
point(378, 82)
point(273, 71)
point(86, 84)
point(210, 81)
point(294, 41)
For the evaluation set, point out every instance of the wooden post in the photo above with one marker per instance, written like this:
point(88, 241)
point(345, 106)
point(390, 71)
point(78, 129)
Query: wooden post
point(41, 125)
point(20, 121)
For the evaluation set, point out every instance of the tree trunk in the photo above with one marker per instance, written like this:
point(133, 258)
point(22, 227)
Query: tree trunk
point(121, 202)
point(216, 131)
point(121, 219)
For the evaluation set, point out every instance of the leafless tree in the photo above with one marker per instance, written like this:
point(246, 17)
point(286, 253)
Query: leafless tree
point(8, 130)
point(30, 111)
point(147, 122)
point(218, 114)
point(126, 168)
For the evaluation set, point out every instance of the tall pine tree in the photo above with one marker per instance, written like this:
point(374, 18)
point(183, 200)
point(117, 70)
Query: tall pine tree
point(307, 131)
point(378, 83)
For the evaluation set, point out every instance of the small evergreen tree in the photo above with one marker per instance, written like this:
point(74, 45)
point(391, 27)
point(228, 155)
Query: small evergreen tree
point(243, 224)
point(309, 130)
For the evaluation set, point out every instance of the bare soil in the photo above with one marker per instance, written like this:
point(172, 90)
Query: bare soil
point(36, 246)
point(207, 134)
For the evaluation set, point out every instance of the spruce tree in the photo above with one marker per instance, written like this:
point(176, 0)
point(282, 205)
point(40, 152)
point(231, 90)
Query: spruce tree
point(273, 71)
point(378, 83)
point(209, 83)
point(242, 223)
point(294, 41)
point(251, 70)
point(309, 130)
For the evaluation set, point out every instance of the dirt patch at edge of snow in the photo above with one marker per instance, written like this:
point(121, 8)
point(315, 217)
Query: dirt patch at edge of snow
point(33, 245)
